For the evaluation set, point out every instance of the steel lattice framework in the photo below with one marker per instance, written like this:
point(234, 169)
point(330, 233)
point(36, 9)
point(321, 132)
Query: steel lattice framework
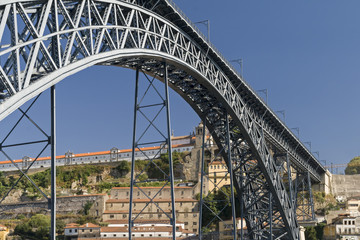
point(44, 41)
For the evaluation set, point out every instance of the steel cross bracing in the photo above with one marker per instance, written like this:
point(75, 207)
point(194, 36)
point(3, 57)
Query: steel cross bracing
point(42, 42)
point(24, 167)
point(209, 215)
point(151, 112)
point(303, 198)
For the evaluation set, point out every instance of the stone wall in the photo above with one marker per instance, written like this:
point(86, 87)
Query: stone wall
point(64, 205)
point(346, 185)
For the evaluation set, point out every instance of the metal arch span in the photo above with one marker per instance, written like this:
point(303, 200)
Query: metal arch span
point(42, 42)
point(16, 50)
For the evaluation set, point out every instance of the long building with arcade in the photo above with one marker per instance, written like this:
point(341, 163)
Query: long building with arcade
point(179, 144)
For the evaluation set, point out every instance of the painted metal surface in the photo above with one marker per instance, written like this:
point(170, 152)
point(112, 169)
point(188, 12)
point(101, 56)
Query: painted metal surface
point(44, 41)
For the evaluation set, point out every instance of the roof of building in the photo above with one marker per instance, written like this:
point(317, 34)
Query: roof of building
point(134, 211)
point(72, 225)
point(89, 225)
point(145, 221)
point(137, 229)
point(148, 200)
point(166, 187)
point(126, 238)
point(96, 153)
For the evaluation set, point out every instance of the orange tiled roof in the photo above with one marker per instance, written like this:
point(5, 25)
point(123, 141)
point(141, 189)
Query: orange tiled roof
point(97, 153)
point(148, 200)
point(72, 225)
point(89, 225)
point(185, 187)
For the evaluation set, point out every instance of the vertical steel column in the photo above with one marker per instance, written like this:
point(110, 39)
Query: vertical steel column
point(202, 177)
point(133, 152)
point(53, 164)
point(171, 169)
point(311, 197)
point(289, 179)
point(270, 215)
point(231, 177)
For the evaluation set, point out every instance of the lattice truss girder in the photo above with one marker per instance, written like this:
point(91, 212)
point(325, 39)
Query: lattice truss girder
point(52, 34)
point(42, 38)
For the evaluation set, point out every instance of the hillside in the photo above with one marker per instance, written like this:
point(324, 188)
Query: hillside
point(80, 179)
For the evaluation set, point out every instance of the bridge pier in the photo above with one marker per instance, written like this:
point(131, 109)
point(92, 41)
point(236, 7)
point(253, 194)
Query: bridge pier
point(325, 184)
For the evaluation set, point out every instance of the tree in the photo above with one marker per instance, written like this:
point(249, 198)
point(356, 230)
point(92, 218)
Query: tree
point(310, 233)
point(353, 166)
point(37, 227)
point(123, 168)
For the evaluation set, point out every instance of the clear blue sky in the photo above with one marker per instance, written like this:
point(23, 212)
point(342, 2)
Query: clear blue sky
point(305, 53)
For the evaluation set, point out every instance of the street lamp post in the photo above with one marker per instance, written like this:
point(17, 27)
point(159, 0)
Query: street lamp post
point(207, 24)
point(282, 112)
point(240, 62)
point(297, 130)
point(265, 91)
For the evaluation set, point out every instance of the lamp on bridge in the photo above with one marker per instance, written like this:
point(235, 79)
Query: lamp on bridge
point(309, 144)
point(265, 91)
point(207, 24)
point(324, 161)
point(282, 112)
point(240, 62)
point(297, 130)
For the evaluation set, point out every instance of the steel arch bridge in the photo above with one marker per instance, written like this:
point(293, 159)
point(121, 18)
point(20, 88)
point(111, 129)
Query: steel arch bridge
point(44, 41)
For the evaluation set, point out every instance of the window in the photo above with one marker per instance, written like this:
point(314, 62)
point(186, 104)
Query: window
point(114, 235)
point(90, 230)
point(182, 192)
point(186, 223)
point(194, 223)
point(111, 216)
point(124, 215)
point(70, 230)
point(127, 193)
point(82, 230)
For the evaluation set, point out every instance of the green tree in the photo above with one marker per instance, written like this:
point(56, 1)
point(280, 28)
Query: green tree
point(123, 168)
point(37, 227)
point(310, 233)
point(353, 166)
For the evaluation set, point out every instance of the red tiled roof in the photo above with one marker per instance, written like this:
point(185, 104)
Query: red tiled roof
point(185, 187)
point(148, 200)
point(89, 225)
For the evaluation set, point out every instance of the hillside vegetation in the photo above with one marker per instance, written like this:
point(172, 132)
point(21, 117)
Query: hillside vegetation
point(353, 166)
point(92, 178)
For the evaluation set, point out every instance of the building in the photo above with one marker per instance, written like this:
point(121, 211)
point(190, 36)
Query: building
point(119, 230)
point(186, 205)
point(344, 227)
point(225, 228)
point(353, 205)
point(179, 144)
point(4, 231)
point(74, 231)
point(218, 175)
